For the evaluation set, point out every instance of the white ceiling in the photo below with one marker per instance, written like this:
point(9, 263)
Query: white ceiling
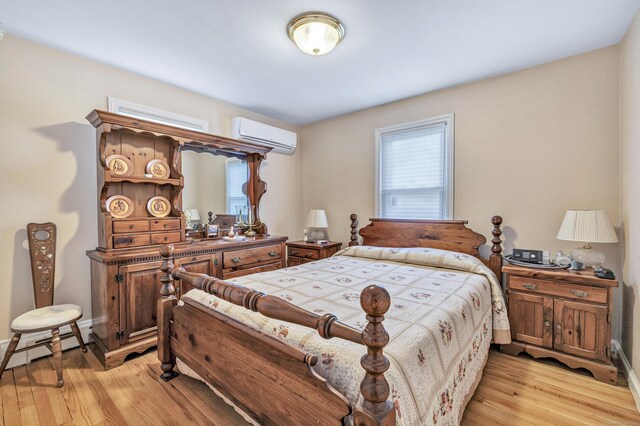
point(238, 51)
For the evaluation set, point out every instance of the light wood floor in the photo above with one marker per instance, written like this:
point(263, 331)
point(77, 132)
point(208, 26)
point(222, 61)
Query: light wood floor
point(512, 391)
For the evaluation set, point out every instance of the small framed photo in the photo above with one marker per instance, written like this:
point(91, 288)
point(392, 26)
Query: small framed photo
point(210, 231)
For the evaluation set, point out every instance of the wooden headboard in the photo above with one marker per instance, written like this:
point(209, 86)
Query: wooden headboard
point(452, 235)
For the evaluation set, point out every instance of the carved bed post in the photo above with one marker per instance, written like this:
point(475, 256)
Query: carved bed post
point(495, 259)
point(354, 230)
point(376, 410)
point(165, 306)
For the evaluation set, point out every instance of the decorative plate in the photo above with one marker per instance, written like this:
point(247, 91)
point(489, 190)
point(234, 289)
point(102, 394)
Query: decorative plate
point(158, 169)
point(159, 206)
point(119, 165)
point(119, 206)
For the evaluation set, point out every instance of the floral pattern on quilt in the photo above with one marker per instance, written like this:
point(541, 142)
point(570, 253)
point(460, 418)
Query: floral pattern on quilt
point(441, 321)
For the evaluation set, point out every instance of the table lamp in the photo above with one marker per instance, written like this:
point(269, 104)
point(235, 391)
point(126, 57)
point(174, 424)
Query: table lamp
point(317, 222)
point(193, 216)
point(588, 226)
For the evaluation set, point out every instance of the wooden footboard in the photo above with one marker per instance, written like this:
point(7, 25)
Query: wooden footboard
point(269, 379)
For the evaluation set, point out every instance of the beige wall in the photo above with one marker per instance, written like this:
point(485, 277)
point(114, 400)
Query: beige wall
point(47, 168)
point(528, 145)
point(630, 191)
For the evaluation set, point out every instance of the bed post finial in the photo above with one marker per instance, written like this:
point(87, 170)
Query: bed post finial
point(376, 410)
point(495, 259)
point(353, 241)
point(165, 306)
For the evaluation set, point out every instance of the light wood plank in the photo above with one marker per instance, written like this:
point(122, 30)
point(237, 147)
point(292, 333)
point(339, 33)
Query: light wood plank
point(41, 400)
point(10, 406)
point(28, 413)
point(77, 409)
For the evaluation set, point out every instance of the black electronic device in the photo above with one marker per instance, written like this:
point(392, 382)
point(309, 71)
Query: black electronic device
point(528, 256)
point(604, 273)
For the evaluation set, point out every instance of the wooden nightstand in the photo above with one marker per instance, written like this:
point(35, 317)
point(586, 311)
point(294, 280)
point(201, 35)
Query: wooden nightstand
point(299, 252)
point(563, 315)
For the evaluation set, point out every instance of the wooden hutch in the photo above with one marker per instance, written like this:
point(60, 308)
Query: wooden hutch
point(125, 267)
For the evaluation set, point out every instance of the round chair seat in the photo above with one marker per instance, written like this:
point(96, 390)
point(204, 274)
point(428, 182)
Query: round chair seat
point(46, 318)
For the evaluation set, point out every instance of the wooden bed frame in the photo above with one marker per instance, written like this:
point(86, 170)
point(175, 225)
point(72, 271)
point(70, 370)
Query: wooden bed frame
point(273, 381)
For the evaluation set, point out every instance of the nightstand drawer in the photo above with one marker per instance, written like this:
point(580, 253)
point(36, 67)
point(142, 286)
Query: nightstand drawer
point(305, 253)
point(553, 288)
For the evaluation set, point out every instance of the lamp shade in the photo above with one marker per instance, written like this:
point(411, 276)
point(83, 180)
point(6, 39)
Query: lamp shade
point(194, 215)
point(589, 226)
point(317, 219)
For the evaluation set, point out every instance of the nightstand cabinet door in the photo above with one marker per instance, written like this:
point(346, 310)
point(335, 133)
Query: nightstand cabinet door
point(531, 318)
point(582, 329)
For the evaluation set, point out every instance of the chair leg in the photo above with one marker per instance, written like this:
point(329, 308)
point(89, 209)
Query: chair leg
point(76, 332)
point(10, 349)
point(57, 354)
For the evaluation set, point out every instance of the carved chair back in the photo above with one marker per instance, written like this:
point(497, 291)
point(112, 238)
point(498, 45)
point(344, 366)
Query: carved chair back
point(42, 251)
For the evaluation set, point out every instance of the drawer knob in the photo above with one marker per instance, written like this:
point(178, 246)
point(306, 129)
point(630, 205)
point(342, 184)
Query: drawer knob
point(131, 226)
point(164, 226)
point(272, 253)
point(166, 238)
point(294, 252)
point(235, 260)
point(547, 323)
point(530, 286)
point(559, 326)
point(309, 254)
point(580, 293)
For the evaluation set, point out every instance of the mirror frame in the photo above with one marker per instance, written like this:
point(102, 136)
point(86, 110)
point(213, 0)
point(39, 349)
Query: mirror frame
point(253, 154)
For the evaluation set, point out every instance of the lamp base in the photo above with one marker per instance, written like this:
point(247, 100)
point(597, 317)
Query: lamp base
point(316, 234)
point(588, 256)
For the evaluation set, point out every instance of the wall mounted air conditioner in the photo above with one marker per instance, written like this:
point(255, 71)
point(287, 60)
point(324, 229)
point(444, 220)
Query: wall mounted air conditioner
point(280, 140)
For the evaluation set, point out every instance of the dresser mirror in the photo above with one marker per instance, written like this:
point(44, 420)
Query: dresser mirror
point(213, 182)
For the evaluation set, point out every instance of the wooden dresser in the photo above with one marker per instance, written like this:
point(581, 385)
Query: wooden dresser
point(563, 315)
point(299, 252)
point(125, 267)
point(126, 287)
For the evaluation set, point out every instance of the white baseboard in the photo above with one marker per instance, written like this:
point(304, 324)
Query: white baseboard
point(632, 379)
point(26, 357)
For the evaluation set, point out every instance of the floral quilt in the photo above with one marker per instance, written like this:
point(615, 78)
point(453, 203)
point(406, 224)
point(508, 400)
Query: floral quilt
point(446, 309)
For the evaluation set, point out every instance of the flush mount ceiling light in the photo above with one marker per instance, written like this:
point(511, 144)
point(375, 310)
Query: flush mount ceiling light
point(315, 33)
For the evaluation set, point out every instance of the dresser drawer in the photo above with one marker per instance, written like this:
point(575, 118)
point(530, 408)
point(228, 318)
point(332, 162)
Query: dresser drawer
point(165, 224)
point(554, 288)
point(251, 270)
point(137, 240)
point(233, 259)
point(129, 226)
point(165, 238)
point(304, 253)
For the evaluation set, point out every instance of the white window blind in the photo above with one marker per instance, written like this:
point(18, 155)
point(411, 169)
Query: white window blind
point(415, 170)
point(236, 177)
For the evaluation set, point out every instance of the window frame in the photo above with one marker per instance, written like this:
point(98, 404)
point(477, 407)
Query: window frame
point(226, 184)
point(143, 112)
point(448, 120)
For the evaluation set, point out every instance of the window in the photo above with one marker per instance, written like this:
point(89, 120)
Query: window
point(131, 109)
point(236, 173)
point(414, 170)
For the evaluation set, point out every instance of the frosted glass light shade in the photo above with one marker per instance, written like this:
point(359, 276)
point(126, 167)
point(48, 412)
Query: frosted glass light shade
point(315, 33)
point(589, 226)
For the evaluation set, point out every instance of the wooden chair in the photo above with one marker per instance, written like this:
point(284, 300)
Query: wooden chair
point(46, 316)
